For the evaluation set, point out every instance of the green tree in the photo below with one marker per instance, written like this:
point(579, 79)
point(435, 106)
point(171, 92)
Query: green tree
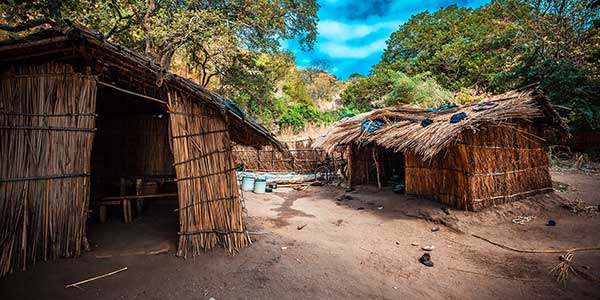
point(367, 91)
point(210, 35)
point(419, 90)
point(503, 45)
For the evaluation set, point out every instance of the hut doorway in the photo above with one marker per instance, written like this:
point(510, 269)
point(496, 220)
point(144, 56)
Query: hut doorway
point(133, 189)
point(393, 167)
point(368, 162)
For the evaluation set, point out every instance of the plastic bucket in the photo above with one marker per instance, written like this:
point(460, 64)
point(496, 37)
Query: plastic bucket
point(259, 185)
point(247, 183)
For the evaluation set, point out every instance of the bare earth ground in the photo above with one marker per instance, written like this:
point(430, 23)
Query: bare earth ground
point(341, 253)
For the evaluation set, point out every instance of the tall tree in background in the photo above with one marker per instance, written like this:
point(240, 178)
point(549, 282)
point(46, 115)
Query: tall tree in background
point(209, 35)
point(508, 44)
point(231, 46)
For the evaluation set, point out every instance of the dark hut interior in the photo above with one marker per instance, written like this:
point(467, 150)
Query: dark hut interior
point(131, 145)
point(365, 162)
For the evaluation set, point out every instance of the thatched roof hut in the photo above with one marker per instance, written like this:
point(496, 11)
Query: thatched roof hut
point(78, 113)
point(495, 152)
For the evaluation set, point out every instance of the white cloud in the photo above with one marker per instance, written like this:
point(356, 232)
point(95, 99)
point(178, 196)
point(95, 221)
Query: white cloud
point(338, 31)
point(340, 50)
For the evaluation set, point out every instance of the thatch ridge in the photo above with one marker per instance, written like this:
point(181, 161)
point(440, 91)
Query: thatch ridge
point(78, 42)
point(402, 128)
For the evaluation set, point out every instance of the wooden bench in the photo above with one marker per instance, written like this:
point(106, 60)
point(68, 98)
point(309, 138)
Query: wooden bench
point(125, 201)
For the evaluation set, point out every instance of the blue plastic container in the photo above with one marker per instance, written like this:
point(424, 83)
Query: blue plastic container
point(247, 183)
point(259, 185)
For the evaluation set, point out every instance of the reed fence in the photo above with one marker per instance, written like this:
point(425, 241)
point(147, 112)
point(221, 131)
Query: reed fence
point(302, 158)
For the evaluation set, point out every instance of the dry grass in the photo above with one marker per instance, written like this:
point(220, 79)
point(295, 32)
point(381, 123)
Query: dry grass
point(403, 131)
point(562, 270)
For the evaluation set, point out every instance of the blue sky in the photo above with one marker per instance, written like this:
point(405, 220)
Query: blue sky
point(352, 33)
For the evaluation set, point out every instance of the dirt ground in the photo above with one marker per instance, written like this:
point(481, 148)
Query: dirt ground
point(340, 252)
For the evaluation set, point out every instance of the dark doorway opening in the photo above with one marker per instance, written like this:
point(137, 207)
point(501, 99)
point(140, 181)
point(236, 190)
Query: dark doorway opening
point(392, 166)
point(133, 190)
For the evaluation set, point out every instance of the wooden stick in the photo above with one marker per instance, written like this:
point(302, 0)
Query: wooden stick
point(77, 284)
point(374, 153)
point(495, 276)
point(349, 166)
point(536, 250)
point(132, 93)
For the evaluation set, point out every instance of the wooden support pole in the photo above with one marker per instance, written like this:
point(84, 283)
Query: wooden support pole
point(258, 158)
point(102, 214)
point(374, 152)
point(126, 202)
point(272, 159)
point(138, 192)
point(349, 166)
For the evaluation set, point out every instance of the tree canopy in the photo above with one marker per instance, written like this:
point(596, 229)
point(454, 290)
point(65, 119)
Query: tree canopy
point(452, 54)
point(507, 44)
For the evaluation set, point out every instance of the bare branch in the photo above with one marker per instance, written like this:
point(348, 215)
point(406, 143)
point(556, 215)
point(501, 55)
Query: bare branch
point(116, 29)
point(27, 25)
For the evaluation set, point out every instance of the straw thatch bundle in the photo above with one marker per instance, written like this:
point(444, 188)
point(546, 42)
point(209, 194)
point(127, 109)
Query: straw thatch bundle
point(403, 130)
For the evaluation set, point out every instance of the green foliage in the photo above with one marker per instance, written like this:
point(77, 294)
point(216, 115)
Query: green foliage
point(367, 91)
point(296, 115)
point(420, 90)
point(576, 93)
point(502, 45)
point(387, 87)
point(295, 88)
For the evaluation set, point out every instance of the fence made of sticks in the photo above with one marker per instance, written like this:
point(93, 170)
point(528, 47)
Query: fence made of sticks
point(302, 157)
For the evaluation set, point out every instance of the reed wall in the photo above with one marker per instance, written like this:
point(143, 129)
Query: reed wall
point(505, 164)
point(494, 165)
point(47, 119)
point(210, 208)
point(442, 177)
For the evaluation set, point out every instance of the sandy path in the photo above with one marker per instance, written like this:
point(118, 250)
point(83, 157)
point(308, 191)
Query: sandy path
point(341, 253)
